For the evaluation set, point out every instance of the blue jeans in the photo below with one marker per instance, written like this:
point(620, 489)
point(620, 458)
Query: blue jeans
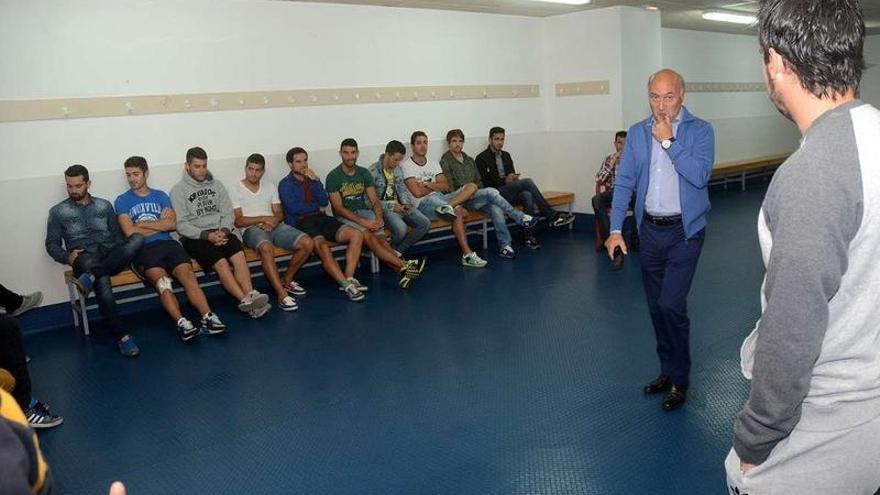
point(103, 262)
point(526, 193)
point(489, 201)
point(401, 237)
point(669, 262)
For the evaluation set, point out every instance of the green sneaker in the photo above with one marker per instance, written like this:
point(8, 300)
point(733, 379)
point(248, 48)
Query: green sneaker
point(445, 212)
point(473, 260)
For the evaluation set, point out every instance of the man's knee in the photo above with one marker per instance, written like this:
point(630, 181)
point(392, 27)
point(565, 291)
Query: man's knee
point(266, 249)
point(306, 243)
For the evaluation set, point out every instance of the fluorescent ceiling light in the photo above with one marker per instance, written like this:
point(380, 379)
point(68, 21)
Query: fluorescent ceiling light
point(725, 16)
point(567, 2)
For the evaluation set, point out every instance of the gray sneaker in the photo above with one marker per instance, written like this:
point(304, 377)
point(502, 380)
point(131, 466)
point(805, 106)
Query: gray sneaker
point(253, 301)
point(211, 324)
point(186, 330)
point(445, 212)
point(260, 311)
point(29, 301)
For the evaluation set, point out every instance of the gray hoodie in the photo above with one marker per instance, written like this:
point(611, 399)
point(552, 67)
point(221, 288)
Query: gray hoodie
point(201, 207)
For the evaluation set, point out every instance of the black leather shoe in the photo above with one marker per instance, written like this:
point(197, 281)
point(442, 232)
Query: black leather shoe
point(675, 398)
point(660, 384)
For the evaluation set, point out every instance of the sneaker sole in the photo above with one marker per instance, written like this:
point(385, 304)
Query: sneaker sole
point(471, 265)
point(41, 426)
point(187, 337)
point(296, 293)
point(208, 331)
point(260, 312)
point(288, 308)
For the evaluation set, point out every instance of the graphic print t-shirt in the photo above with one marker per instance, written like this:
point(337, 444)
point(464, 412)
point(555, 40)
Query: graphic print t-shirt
point(147, 207)
point(352, 188)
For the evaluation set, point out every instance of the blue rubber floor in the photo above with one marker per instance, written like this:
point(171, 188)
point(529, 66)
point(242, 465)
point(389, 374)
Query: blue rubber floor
point(522, 378)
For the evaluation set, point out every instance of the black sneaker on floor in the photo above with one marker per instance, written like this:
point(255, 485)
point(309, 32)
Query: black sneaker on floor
point(39, 417)
point(212, 325)
point(561, 220)
point(531, 242)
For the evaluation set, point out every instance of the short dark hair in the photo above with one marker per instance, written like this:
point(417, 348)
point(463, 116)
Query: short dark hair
point(77, 171)
point(394, 147)
point(619, 134)
point(296, 150)
point(136, 162)
point(348, 142)
point(255, 158)
point(821, 41)
point(416, 135)
point(454, 133)
point(195, 152)
point(495, 130)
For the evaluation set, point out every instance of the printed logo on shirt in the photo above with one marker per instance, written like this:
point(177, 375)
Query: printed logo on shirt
point(204, 203)
point(352, 190)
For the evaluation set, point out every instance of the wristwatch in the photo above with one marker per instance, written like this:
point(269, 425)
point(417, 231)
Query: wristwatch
point(667, 143)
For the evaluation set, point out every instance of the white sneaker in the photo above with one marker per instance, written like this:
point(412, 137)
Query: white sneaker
point(353, 293)
point(260, 311)
point(253, 301)
point(355, 282)
point(288, 304)
point(473, 260)
point(294, 289)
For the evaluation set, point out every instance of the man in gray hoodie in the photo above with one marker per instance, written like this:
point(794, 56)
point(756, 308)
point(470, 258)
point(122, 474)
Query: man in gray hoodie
point(204, 222)
point(812, 420)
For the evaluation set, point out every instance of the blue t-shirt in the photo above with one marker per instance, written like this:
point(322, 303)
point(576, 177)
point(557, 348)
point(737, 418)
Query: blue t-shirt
point(147, 207)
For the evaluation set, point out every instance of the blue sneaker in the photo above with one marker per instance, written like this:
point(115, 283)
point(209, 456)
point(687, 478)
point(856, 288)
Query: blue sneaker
point(127, 346)
point(84, 283)
point(507, 252)
point(529, 221)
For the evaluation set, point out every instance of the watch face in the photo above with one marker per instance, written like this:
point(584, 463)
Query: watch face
point(666, 144)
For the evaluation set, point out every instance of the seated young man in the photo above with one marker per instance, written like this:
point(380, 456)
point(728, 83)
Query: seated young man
point(303, 200)
point(602, 201)
point(496, 170)
point(399, 210)
point(93, 247)
point(461, 169)
point(14, 360)
point(205, 222)
point(355, 202)
point(433, 197)
point(147, 212)
point(258, 214)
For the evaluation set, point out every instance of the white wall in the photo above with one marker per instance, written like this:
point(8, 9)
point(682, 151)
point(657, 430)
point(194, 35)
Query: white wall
point(871, 79)
point(746, 124)
point(86, 48)
point(106, 48)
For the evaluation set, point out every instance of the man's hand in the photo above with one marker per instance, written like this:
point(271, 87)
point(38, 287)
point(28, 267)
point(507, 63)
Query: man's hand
point(371, 224)
point(745, 467)
point(662, 129)
point(117, 488)
point(73, 255)
point(399, 208)
point(511, 178)
point(269, 223)
point(217, 238)
point(615, 158)
point(431, 186)
point(615, 240)
point(311, 174)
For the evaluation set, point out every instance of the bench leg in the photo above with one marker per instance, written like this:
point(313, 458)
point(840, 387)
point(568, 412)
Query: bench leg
point(374, 263)
point(84, 313)
point(71, 293)
point(743, 181)
point(571, 212)
point(485, 234)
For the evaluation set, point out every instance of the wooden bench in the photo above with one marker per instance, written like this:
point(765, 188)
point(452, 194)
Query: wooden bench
point(127, 280)
point(742, 170)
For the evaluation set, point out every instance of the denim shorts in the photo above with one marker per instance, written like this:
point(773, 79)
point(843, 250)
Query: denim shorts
point(283, 236)
point(368, 214)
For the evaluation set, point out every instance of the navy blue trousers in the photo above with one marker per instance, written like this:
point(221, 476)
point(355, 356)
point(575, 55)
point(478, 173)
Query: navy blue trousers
point(668, 265)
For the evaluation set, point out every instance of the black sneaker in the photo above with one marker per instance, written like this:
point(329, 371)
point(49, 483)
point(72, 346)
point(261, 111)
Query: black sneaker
point(186, 330)
point(531, 242)
point(39, 417)
point(561, 220)
point(212, 325)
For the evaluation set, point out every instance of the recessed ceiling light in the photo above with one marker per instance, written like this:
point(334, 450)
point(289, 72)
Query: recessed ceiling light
point(567, 2)
point(651, 7)
point(726, 16)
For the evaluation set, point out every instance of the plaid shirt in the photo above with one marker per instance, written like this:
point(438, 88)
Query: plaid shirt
point(609, 170)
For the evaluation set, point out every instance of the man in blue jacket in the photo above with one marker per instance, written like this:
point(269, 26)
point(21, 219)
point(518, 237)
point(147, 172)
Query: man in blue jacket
point(666, 162)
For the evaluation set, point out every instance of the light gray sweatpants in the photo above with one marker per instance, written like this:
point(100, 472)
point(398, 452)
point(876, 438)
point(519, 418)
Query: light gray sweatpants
point(841, 462)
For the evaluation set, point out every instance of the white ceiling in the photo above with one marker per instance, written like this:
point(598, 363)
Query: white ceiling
point(680, 14)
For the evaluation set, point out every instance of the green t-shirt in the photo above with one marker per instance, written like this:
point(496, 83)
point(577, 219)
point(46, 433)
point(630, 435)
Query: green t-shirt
point(352, 188)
